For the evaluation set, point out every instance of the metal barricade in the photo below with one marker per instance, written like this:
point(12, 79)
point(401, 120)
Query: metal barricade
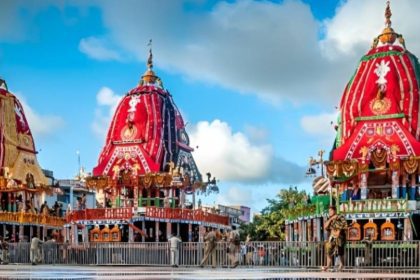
point(377, 254)
point(385, 254)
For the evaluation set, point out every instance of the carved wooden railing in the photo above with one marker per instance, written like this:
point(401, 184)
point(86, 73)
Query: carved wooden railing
point(186, 214)
point(151, 212)
point(30, 218)
point(373, 205)
point(100, 214)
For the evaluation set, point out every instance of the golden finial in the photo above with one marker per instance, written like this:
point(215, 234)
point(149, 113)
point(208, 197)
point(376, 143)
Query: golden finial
point(149, 77)
point(388, 35)
point(388, 14)
point(150, 59)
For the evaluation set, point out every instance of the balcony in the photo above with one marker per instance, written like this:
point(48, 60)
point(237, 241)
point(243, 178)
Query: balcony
point(100, 214)
point(150, 212)
point(30, 218)
point(374, 206)
point(186, 214)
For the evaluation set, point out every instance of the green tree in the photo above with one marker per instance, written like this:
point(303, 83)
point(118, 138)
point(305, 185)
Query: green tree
point(271, 223)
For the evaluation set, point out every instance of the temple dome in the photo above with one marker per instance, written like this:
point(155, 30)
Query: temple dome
point(382, 95)
point(147, 133)
point(17, 151)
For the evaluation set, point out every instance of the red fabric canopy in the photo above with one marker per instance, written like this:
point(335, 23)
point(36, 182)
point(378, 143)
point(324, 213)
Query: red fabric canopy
point(147, 132)
point(390, 135)
point(380, 105)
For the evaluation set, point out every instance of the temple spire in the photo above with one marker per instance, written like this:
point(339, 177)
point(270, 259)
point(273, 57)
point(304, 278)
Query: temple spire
point(150, 59)
point(3, 84)
point(388, 14)
point(149, 77)
point(388, 35)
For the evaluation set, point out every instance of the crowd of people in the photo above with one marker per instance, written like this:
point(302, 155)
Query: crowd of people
point(211, 238)
point(28, 206)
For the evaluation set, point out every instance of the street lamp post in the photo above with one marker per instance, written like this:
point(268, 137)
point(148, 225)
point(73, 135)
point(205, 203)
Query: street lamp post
point(312, 172)
point(316, 162)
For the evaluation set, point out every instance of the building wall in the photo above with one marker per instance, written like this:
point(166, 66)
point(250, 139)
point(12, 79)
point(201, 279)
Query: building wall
point(72, 190)
point(246, 214)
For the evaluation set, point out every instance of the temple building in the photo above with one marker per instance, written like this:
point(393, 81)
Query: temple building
point(24, 186)
point(146, 179)
point(372, 175)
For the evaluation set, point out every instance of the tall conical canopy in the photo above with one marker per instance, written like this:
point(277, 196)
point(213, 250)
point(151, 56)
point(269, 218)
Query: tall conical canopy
point(17, 149)
point(380, 104)
point(147, 133)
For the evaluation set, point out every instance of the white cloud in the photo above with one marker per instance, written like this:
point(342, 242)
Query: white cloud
point(106, 97)
point(357, 23)
point(228, 155)
point(235, 195)
point(107, 101)
point(253, 47)
point(231, 156)
point(259, 47)
point(256, 134)
point(256, 47)
point(97, 48)
point(320, 127)
point(40, 125)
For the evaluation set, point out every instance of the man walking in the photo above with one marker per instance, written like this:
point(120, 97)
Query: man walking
point(35, 254)
point(50, 250)
point(336, 225)
point(234, 247)
point(174, 243)
point(210, 248)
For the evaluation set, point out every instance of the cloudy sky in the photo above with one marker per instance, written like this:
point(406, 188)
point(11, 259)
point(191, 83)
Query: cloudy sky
point(257, 81)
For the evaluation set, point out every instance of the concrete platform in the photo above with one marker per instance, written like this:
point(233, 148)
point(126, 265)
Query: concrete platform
point(141, 272)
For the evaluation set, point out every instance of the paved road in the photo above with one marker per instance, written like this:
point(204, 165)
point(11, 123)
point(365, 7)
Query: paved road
point(130, 272)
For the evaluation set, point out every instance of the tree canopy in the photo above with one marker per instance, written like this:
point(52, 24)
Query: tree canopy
point(270, 225)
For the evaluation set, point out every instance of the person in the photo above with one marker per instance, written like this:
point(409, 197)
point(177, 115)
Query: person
point(161, 236)
point(336, 225)
point(44, 210)
point(195, 235)
point(68, 211)
point(249, 250)
point(137, 237)
point(174, 242)
point(83, 202)
point(210, 240)
point(368, 250)
point(166, 202)
point(50, 250)
point(108, 203)
point(59, 210)
point(29, 207)
point(56, 209)
point(79, 203)
point(64, 251)
point(261, 254)
point(4, 250)
point(35, 253)
point(355, 194)
point(234, 247)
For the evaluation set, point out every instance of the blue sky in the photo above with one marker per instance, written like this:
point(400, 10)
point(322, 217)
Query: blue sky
point(257, 81)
